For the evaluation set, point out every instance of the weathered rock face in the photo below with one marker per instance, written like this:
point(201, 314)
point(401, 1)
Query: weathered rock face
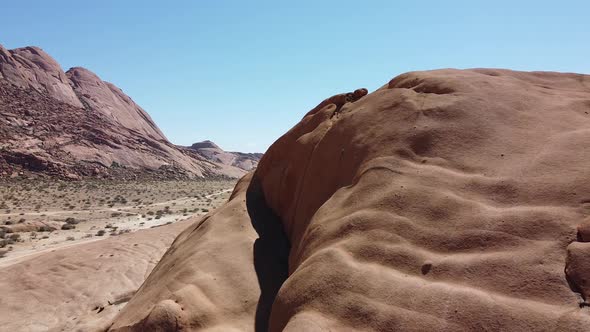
point(75, 125)
point(211, 151)
point(109, 100)
point(448, 200)
point(31, 67)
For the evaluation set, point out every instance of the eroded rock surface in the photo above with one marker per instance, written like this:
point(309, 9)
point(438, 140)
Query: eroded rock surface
point(446, 200)
point(31, 67)
point(109, 100)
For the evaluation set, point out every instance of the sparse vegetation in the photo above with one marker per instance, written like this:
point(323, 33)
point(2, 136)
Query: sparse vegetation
point(36, 210)
point(66, 227)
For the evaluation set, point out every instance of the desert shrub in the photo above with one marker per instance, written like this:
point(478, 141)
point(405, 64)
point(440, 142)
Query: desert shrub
point(71, 220)
point(66, 227)
point(22, 220)
point(15, 237)
point(100, 232)
point(46, 228)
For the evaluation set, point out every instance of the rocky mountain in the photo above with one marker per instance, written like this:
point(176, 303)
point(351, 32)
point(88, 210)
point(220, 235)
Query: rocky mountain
point(211, 151)
point(447, 200)
point(73, 124)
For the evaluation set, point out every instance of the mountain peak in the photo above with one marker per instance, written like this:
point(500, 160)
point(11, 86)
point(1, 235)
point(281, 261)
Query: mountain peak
point(206, 144)
point(109, 100)
point(81, 72)
point(31, 67)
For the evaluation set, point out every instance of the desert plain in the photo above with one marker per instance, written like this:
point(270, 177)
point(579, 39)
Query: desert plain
point(74, 252)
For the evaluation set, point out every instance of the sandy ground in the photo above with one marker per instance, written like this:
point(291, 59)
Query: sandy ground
point(76, 280)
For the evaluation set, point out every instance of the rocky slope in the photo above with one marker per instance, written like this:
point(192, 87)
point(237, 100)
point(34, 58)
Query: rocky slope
point(448, 200)
point(74, 124)
point(211, 151)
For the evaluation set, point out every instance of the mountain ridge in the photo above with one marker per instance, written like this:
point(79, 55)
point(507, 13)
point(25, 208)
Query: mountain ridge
point(73, 124)
point(211, 151)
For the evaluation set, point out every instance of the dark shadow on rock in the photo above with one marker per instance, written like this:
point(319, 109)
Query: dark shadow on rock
point(271, 253)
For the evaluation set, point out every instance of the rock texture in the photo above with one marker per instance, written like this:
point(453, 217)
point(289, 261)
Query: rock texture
point(80, 287)
point(109, 100)
point(447, 200)
point(211, 151)
point(74, 124)
point(31, 67)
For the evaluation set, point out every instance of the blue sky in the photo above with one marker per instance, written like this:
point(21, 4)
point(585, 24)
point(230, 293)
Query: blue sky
point(241, 73)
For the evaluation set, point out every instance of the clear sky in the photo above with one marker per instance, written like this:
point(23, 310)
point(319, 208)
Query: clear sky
point(241, 73)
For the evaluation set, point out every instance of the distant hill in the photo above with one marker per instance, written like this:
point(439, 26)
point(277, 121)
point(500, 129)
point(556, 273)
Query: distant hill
point(212, 152)
point(73, 124)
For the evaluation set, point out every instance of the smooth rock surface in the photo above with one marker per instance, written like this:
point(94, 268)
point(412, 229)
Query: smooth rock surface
point(447, 200)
